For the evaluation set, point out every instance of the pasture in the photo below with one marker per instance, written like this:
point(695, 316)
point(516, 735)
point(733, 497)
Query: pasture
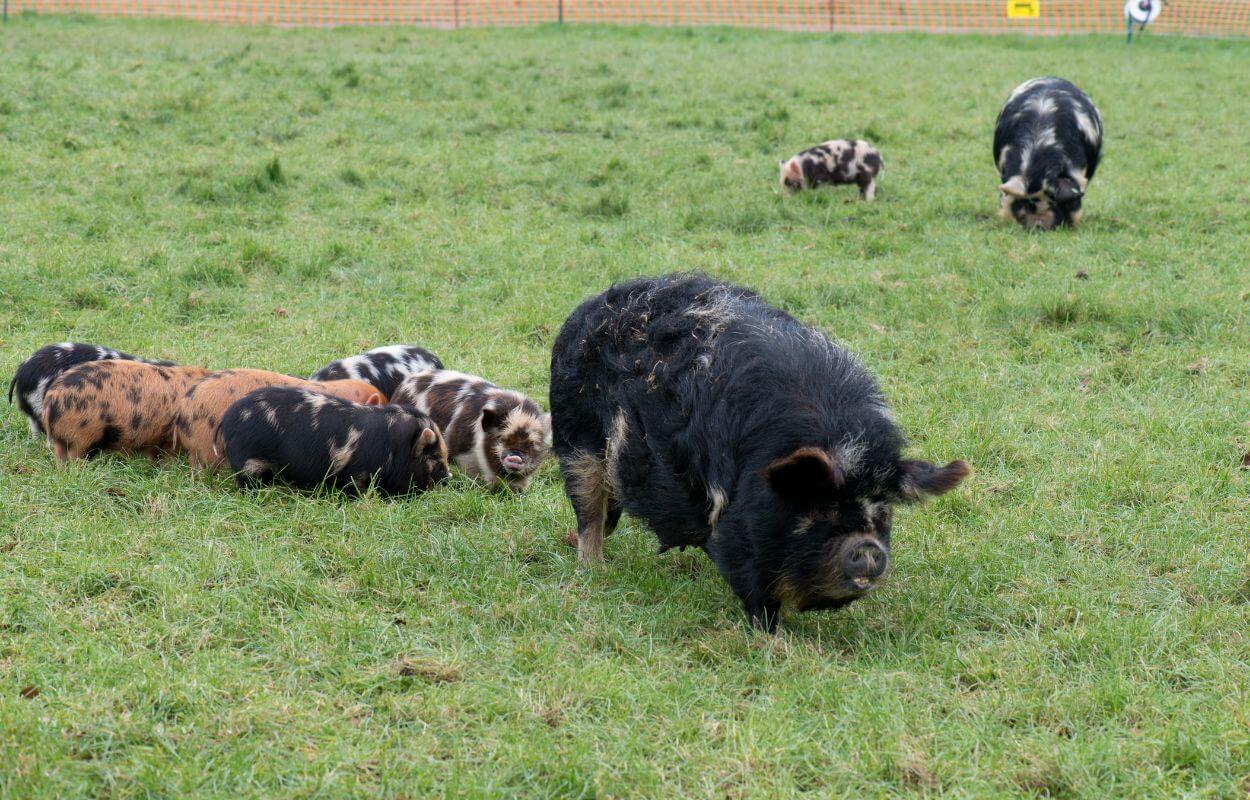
point(1073, 621)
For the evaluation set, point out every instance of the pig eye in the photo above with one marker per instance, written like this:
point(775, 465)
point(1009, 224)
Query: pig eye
point(882, 516)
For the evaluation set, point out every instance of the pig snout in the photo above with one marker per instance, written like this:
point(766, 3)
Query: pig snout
point(863, 560)
point(514, 461)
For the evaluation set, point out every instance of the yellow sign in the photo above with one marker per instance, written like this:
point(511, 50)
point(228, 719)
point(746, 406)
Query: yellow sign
point(1020, 9)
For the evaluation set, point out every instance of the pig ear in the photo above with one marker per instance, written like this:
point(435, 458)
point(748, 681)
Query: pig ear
point(1014, 187)
point(1065, 189)
point(426, 439)
point(921, 480)
point(375, 399)
point(491, 419)
point(805, 477)
point(547, 438)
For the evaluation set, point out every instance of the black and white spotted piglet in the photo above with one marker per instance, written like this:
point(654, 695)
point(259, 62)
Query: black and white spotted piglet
point(1047, 144)
point(308, 439)
point(36, 373)
point(384, 368)
point(840, 161)
point(492, 433)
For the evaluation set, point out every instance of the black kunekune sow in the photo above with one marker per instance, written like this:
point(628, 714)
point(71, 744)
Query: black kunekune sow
point(727, 424)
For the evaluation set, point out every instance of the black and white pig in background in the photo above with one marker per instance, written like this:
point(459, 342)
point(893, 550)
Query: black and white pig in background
point(729, 425)
point(1047, 143)
point(384, 368)
point(36, 373)
point(833, 163)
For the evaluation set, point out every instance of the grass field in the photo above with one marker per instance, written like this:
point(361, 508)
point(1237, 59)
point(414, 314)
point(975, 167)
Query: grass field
point(1072, 622)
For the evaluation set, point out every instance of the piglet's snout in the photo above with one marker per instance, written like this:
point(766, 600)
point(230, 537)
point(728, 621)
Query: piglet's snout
point(514, 461)
point(864, 560)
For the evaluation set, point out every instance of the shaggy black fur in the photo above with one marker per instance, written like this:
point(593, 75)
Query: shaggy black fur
point(309, 439)
point(1047, 144)
point(727, 424)
point(35, 374)
point(384, 368)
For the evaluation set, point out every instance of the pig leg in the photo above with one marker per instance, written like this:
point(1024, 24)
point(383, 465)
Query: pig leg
point(586, 485)
point(740, 568)
point(613, 518)
point(761, 607)
point(867, 187)
point(256, 472)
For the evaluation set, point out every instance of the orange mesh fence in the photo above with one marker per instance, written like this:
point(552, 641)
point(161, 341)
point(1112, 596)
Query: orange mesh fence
point(1189, 17)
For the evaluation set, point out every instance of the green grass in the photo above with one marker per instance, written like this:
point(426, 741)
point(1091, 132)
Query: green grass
point(1073, 622)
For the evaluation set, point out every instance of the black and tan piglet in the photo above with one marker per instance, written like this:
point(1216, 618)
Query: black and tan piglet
point(309, 439)
point(384, 368)
point(833, 163)
point(1047, 145)
point(35, 374)
point(727, 424)
point(494, 434)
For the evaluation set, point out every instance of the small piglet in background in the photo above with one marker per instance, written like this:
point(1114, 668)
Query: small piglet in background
point(308, 439)
point(493, 434)
point(841, 161)
point(197, 416)
point(1047, 143)
point(36, 373)
point(114, 405)
point(382, 367)
point(729, 425)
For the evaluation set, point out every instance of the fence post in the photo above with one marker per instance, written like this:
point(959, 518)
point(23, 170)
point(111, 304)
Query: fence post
point(6, 11)
point(559, 11)
point(457, 13)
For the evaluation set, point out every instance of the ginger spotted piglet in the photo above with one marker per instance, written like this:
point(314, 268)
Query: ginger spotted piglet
point(114, 405)
point(197, 416)
point(492, 433)
point(35, 374)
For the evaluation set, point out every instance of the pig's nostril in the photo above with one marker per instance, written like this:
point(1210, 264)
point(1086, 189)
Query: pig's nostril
point(866, 561)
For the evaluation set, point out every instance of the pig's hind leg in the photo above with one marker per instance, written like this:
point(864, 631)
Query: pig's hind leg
point(867, 186)
point(254, 473)
point(586, 483)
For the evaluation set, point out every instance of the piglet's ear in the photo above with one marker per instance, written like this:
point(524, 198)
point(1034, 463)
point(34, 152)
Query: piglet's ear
point(805, 477)
point(491, 419)
point(427, 439)
point(1014, 187)
point(375, 399)
point(922, 480)
point(547, 439)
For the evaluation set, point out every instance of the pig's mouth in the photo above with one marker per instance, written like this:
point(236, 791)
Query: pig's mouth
point(861, 563)
point(513, 461)
point(849, 570)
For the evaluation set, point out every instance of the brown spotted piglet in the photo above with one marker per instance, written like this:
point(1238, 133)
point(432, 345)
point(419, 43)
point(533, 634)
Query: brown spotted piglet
point(493, 434)
point(308, 439)
point(114, 405)
point(36, 373)
point(197, 416)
